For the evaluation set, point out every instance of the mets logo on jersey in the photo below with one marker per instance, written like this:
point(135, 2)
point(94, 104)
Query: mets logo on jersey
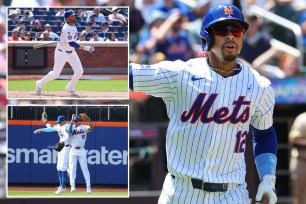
point(201, 109)
point(228, 10)
point(76, 132)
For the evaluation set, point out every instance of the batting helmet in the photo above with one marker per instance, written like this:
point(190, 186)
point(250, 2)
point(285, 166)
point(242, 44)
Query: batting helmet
point(60, 119)
point(69, 13)
point(217, 14)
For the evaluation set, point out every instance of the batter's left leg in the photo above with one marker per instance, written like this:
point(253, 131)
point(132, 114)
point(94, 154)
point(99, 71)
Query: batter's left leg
point(76, 65)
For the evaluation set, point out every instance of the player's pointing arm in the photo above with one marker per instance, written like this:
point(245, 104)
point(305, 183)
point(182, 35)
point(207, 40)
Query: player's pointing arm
point(49, 129)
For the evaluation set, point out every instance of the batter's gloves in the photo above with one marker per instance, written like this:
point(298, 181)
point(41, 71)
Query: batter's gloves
point(89, 49)
point(44, 117)
point(266, 190)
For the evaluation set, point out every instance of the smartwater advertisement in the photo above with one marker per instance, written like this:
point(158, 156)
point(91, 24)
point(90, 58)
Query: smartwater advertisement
point(32, 159)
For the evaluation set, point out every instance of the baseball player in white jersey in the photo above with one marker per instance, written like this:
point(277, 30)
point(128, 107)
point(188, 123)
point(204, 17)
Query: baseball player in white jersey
point(78, 152)
point(65, 52)
point(63, 156)
point(211, 102)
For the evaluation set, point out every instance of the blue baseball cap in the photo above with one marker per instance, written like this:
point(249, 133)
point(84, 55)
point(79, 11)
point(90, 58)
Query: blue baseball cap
point(94, 31)
point(60, 119)
point(77, 118)
point(69, 13)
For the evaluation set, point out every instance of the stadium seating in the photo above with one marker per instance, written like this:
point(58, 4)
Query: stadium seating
point(47, 15)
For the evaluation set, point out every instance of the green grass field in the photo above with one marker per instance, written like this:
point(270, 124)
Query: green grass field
point(82, 85)
point(23, 193)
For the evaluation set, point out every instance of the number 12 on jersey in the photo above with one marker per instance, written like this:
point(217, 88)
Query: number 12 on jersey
point(240, 141)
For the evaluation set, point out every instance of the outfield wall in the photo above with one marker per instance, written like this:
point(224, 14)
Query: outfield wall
point(31, 158)
point(108, 58)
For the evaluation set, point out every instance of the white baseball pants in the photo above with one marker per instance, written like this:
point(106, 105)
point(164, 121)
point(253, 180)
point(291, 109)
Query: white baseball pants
point(60, 59)
point(176, 191)
point(74, 156)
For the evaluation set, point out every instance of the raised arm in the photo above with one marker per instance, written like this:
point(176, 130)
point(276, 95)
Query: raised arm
point(71, 123)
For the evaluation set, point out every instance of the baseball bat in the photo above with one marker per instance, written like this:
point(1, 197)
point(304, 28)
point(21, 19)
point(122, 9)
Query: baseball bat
point(43, 44)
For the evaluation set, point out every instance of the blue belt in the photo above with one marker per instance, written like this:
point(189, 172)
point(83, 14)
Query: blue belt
point(208, 187)
point(66, 51)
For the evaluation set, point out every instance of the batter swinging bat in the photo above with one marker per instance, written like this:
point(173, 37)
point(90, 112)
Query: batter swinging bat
point(44, 44)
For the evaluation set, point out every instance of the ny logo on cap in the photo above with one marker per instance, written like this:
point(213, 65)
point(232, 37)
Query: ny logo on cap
point(228, 10)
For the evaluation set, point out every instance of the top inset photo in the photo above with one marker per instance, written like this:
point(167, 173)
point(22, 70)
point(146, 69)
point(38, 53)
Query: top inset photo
point(67, 53)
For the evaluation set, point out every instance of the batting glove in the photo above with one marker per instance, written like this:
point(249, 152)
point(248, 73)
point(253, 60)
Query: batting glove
point(266, 189)
point(89, 48)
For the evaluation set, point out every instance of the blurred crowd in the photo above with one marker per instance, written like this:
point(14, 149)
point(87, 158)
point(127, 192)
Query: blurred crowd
point(44, 24)
point(169, 30)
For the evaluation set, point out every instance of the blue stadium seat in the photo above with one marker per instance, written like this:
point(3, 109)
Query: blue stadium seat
point(46, 13)
point(11, 27)
point(115, 28)
point(59, 18)
point(42, 17)
point(11, 22)
point(80, 28)
point(36, 10)
point(56, 25)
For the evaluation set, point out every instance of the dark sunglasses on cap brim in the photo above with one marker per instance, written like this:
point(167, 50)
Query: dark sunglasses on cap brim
point(222, 30)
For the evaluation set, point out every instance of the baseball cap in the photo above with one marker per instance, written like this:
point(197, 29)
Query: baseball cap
point(36, 21)
point(77, 118)
point(69, 13)
point(11, 12)
point(20, 21)
point(115, 8)
point(94, 31)
point(60, 119)
point(18, 11)
point(83, 33)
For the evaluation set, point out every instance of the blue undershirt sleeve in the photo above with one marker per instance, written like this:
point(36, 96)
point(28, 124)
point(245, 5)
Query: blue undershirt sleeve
point(131, 77)
point(74, 44)
point(49, 129)
point(70, 128)
point(265, 150)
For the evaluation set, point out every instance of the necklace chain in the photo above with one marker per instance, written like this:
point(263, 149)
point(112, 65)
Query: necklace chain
point(223, 71)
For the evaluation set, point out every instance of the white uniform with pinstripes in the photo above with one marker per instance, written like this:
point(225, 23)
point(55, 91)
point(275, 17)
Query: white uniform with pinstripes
point(78, 139)
point(68, 34)
point(209, 120)
point(63, 155)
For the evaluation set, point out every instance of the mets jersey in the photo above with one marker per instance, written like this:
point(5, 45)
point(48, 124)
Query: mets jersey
point(68, 34)
point(79, 136)
point(63, 133)
point(209, 115)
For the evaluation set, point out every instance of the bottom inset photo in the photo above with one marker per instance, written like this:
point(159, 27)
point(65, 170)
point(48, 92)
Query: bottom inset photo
point(67, 151)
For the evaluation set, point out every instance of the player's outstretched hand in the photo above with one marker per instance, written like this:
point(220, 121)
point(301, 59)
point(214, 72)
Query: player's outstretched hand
point(37, 131)
point(89, 48)
point(266, 190)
